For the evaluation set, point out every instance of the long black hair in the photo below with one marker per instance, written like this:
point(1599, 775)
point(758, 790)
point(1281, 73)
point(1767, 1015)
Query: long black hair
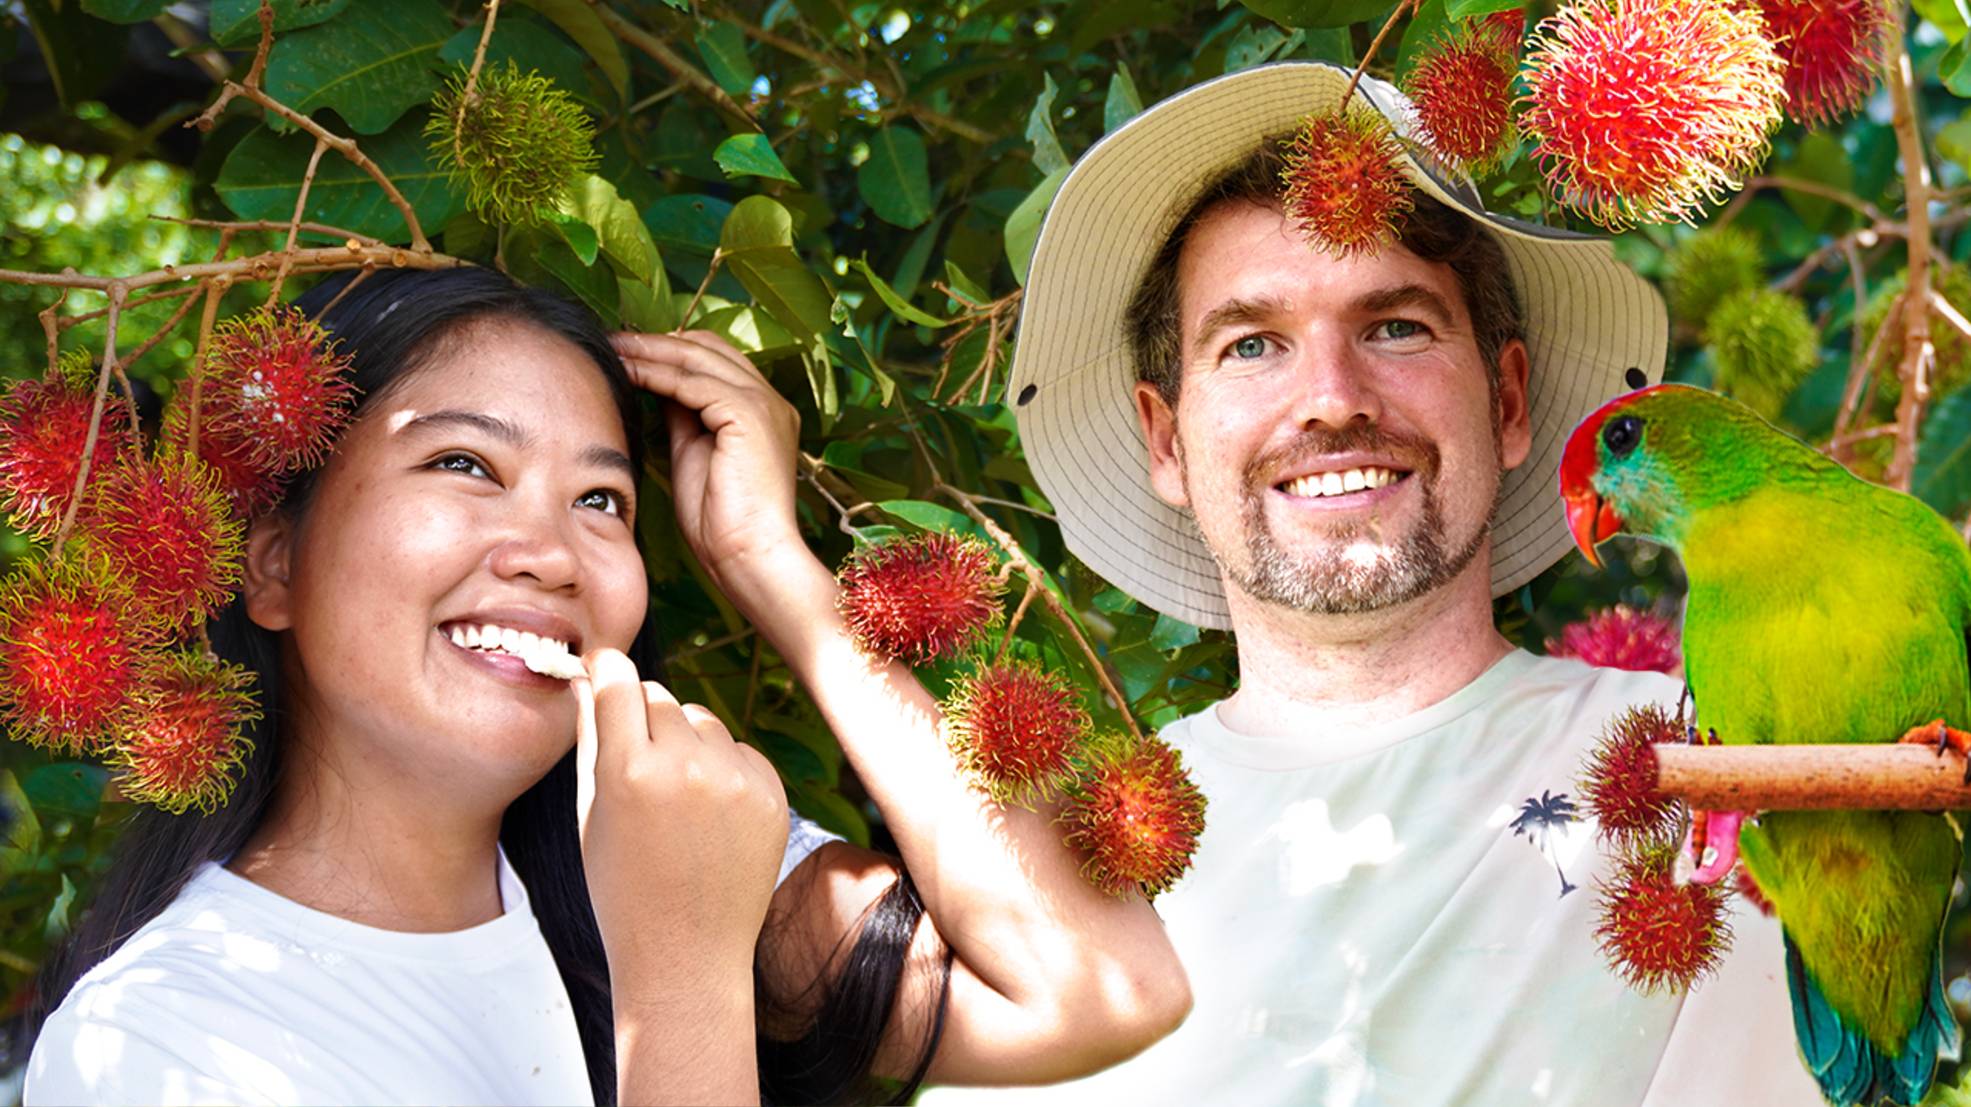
point(391, 324)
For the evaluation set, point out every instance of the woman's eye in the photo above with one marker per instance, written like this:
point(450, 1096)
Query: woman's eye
point(1249, 347)
point(603, 499)
point(461, 463)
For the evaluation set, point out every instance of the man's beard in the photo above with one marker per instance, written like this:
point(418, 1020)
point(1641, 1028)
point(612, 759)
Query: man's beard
point(1330, 582)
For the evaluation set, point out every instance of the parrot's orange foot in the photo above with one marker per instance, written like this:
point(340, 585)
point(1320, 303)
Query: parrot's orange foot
point(1944, 738)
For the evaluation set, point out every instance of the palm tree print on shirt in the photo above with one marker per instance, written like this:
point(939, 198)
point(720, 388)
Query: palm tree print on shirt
point(1539, 819)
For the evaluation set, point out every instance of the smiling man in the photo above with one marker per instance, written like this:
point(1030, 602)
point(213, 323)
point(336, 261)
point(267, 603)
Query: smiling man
point(1343, 461)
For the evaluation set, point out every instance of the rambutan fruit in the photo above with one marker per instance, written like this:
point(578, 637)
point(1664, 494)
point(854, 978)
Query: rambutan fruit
point(181, 739)
point(1643, 110)
point(71, 648)
point(167, 529)
point(250, 487)
point(276, 387)
point(517, 147)
point(43, 427)
point(1135, 813)
point(1621, 637)
point(1462, 89)
point(1343, 184)
point(1833, 51)
point(1017, 728)
point(1952, 367)
point(922, 597)
point(1618, 783)
point(1710, 266)
point(1763, 344)
point(1502, 31)
point(1748, 889)
point(1657, 934)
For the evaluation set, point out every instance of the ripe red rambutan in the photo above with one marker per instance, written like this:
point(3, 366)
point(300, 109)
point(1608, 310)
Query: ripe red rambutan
point(1016, 727)
point(1502, 30)
point(1618, 784)
point(251, 488)
point(181, 739)
point(1343, 184)
point(1462, 88)
point(43, 426)
point(1622, 637)
point(1832, 50)
point(166, 528)
point(1658, 934)
point(1134, 811)
point(922, 597)
point(275, 385)
point(1748, 889)
point(71, 648)
point(1643, 110)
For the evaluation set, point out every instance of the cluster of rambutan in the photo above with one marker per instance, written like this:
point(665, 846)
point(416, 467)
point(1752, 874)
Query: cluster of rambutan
point(100, 653)
point(1019, 730)
point(1622, 637)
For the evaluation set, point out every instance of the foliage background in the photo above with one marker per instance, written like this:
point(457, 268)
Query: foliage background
point(912, 148)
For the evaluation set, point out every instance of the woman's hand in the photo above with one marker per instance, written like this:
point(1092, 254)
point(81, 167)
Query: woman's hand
point(733, 443)
point(683, 830)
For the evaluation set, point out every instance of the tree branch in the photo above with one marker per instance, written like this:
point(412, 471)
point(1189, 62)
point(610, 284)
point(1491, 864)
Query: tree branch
point(1917, 354)
point(673, 63)
point(1861, 776)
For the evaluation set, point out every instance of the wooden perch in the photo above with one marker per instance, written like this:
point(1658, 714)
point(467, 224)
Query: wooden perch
point(1786, 778)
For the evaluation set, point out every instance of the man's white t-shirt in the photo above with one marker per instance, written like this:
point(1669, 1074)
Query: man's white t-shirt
point(234, 994)
point(1370, 922)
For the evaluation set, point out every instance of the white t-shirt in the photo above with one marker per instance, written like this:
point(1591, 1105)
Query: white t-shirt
point(1363, 928)
point(234, 994)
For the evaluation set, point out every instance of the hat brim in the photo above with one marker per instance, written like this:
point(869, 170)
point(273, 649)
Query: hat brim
point(1589, 321)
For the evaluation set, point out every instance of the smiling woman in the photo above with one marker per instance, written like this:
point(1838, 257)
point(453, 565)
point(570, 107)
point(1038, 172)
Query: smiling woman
point(462, 866)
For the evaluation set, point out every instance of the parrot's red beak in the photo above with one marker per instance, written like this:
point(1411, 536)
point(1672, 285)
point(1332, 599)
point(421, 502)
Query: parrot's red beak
point(1591, 519)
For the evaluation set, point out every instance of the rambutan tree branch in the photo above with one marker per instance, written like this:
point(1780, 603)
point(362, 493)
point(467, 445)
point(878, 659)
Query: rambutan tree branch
point(117, 294)
point(673, 63)
point(1918, 355)
point(1375, 44)
point(294, 224)
point(470, 91)
point(1864, 776)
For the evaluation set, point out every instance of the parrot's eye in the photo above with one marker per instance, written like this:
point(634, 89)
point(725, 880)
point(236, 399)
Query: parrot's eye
point(1622, 434)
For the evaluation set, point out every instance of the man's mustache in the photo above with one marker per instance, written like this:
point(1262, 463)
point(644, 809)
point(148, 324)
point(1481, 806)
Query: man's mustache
point(1408, 451)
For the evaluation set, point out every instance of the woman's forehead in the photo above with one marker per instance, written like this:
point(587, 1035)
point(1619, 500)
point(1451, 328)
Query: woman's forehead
point(520, 373)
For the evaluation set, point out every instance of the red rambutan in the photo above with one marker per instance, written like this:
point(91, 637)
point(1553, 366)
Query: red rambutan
point(43, 427)
point(1656, 933)
point(1622, 637)
point(1343, 184)
point(1502, 30)
point(1462, 88)
point(276, 386)
point(920, 598)
point(1643, 110)
point(1832, 50)
point(181, 739)
point(251, 488)
point(1748, 889)
point(1016, 727)
point(71, 648)
point(1618, 785)
point(1135, 813)
point(167, 529)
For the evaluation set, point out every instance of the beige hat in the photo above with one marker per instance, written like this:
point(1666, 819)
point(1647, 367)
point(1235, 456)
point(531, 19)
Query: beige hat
point(1593, 329)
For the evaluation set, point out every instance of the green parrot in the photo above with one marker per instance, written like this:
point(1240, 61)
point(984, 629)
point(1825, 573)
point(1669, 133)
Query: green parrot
point(1821, 608)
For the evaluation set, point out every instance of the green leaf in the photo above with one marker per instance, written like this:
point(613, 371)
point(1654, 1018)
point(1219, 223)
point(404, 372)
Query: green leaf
point(956, 279)
point(1425, 26)
point(1123, 102)
point(821, 381)
point(625, 241)
point(1954, 141)
point(1948, 16)
point(1023, 226)
point(758, 246)
point(1942, 477)
point(1321, 13)
point(81, 54)
point(895, 180)
point(579, 236)
point(56, 923)
point(930, 516)
point(371, 64)
point(900, 307)
point(1172, 634)
point(1252, 45)
point(1047, 153)
point(827, 808)
point(1955, 68)
point(20, 830)
point(646, 307)
point(263, 174)
point(687, 222)
point(126, 11)
point(73, 789)
point(594, 285)
point(578, 21)
point(529, 45)
point(751, 155)
point(237, 22)
point(1821, 159)
point(1466, 9)
point(723, 46)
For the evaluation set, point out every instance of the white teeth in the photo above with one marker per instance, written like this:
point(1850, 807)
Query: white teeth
point(1331, 484)
point(1339, 483)
point(1352, 481)
point(458, 636)
point(549, 656)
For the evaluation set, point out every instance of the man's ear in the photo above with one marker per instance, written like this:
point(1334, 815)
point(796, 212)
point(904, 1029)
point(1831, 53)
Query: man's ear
point(1159, 423)
point(1515, 419)
point(269, 545)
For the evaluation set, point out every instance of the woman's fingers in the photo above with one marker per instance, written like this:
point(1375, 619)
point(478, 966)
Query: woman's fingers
point(585, 747)
point(621, 722)
point(703, 353)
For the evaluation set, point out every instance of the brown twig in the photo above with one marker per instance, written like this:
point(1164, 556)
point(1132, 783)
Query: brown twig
point(1917, 353)
point(1013, 624)
point(68, 321)
point(170, 325)
point(1374, 45)
point(51, 326)
point(1949, 313)
point(673, 63)
point(1815, 188)
point(1860, 370)
point(235, 225)
point(215, 290)
point(256, 267)
point(718, 255)
point(470, 91)
point(294, 224)
point(997, 317)
point(1865, 776)
point(116, 298)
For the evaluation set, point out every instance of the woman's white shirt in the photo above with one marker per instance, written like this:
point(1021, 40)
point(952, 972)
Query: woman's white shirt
point(234, 994)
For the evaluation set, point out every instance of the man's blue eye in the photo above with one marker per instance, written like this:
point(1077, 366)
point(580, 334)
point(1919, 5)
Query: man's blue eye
point(1403, 328)
point(1250, 346)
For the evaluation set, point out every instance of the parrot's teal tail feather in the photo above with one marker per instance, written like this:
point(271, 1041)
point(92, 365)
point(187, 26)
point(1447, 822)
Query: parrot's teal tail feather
point(1848, 1067)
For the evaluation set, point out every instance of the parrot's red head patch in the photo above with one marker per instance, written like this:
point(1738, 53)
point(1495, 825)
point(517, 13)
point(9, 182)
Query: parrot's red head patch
point(1591, 519)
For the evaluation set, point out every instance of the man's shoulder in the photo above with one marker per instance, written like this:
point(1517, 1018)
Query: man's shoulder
point(1568, 678)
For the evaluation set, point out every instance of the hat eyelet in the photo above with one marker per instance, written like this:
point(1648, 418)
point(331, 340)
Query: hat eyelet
point(1027, 393)
point(1635, 378)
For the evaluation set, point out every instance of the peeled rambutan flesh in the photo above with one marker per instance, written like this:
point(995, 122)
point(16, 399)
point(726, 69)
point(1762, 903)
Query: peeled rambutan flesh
point(1343, 184)
point(1462, 89)
point(276, 386)
point(1618, 784)
point(1135, 815)
point(166, 529)
point(920, 598)
point(1621, 637)
point(1017, 728)
point(43, 428)
point(71, 648)
point(181, 740)
point(1657, 934)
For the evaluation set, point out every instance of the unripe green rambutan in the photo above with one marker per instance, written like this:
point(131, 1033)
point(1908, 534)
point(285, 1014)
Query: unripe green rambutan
point(1709, 266)
point(520, 143)
point(1953, 365)
point(1764, 345)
